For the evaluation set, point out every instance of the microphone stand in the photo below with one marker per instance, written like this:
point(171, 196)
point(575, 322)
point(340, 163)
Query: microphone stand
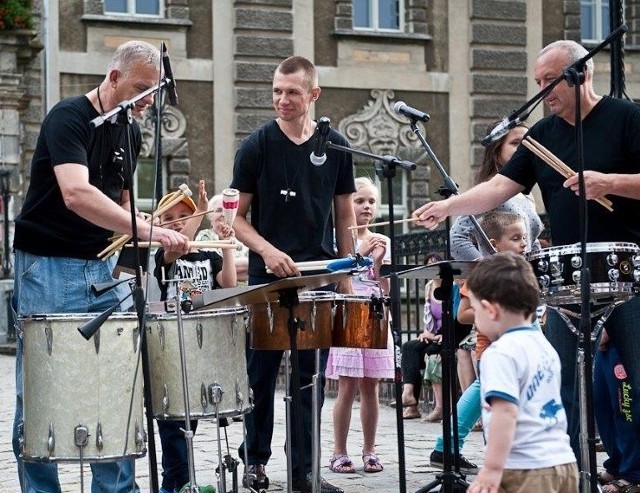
point(122, 115)
point(451, 480)
point(386, 168)
point(575, 77)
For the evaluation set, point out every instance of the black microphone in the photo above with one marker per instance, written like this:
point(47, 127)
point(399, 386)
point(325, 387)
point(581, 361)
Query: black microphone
point(319, 156)
point(501, 129)
point(402, 109)
point(168, 73)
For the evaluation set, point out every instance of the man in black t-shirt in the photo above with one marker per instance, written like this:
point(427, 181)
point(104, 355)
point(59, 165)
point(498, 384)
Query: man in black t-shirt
point(611, 130)
point(291, 202)
point(77, 199)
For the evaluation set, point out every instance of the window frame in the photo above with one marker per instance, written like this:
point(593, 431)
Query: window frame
point(131, 10)
point(375, 18)
point(596, 20)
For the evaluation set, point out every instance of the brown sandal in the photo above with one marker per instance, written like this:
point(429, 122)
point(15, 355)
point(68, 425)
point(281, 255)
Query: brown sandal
point(621, 486)
point(372, 463)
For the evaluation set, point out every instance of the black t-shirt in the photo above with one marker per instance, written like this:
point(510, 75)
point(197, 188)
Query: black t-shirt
point(611, 145)
point(45, 226)
point(200, 268)
point(268, 165)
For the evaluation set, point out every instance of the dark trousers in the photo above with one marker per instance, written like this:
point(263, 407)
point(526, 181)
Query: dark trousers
point(412, 363)
point(262, 368)
point(175, 463)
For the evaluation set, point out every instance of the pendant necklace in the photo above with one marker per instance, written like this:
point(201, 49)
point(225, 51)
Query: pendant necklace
point(287, 192)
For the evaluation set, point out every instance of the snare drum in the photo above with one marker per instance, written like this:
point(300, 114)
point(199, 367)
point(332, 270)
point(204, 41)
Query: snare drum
point(214, 343)
point(360, 322)
point(77, 393)
point(614, 269)
point(268, 322)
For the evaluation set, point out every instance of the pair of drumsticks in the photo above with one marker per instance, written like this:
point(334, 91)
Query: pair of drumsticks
point(549, 158)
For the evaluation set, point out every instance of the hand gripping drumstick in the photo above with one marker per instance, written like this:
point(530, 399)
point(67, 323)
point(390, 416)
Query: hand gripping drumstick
point(230, 200)
point(183, 191)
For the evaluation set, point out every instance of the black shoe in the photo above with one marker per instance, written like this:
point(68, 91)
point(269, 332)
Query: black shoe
point(436, 459)
point(305, 487)
point(258, 479)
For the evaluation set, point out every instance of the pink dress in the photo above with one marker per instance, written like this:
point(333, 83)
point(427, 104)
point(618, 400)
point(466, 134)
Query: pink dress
point(357, 362)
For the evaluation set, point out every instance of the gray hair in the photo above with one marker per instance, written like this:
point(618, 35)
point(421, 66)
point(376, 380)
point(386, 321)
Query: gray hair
point(573, 50)
point(133, 51)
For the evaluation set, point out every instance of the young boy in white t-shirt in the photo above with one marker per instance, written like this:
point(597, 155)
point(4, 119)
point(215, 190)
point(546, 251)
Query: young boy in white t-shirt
point(524, 421)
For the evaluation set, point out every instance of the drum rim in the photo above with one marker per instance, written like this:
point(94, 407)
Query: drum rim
point(594, 247)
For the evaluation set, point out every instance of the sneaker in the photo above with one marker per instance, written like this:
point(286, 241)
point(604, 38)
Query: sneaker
point(305, 487)
point(258, 479)
point(436, 459)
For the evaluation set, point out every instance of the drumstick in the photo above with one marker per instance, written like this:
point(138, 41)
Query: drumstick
point(309, 265)
point(222, 244)
point(549, 158)
point(384, 223)
point(177, 196)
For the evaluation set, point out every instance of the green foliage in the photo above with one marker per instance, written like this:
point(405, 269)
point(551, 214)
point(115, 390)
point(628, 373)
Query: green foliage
point(15, 14)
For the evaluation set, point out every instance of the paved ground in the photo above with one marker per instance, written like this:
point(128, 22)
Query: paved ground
point(419, 441)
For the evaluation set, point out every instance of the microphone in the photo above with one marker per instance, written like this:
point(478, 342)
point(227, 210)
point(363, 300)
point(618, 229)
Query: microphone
point(319, 156)
point(168, 73)
point(402, 109)
point(348, 263)
point(501, 129)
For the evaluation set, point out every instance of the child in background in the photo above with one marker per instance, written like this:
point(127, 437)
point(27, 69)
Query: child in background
point(524, 421)
point(507, 233)
point(414, 352)
point(216, 232)
point(361, 368)
point(202, 270)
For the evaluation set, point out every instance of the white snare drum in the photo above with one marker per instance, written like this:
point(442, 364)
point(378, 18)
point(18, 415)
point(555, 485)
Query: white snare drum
point(360, 322)
point(215, 342)
point(614, 269)
point(77, 393)
point(268, 322)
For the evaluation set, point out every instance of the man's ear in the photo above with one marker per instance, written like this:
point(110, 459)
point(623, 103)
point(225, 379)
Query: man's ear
point(315, 93)
point(114, 75)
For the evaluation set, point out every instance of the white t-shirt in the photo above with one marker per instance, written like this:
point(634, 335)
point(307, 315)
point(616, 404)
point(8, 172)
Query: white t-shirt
point(523, 368)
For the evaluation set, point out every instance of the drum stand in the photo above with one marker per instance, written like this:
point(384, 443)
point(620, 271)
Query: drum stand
point(288, 298)
point(587, 446)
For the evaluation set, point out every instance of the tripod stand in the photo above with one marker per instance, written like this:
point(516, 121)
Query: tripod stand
point(449, 479)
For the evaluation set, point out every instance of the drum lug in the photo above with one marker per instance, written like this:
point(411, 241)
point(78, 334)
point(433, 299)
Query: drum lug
point(99, 436)
point(135, 335)
point(165, 399)
point(270, 317)
point(234, 328)
point(81, 436)
point(614, 275)
point(612, 259)
point(51, 441)
point(215, 393)
point(312, 311)
point(21, 446)
point(199, 334)
point(239, 395)
point(203, 396)
point(161, 335)
point(140, 438)
point(96, 340)
point(48, 334)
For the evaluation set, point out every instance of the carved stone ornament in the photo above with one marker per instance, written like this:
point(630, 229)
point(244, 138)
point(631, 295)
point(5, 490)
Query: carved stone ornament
point(378, 129)
point(174, 124)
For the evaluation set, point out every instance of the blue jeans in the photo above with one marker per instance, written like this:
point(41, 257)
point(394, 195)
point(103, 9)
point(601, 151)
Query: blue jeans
point(175, 460)
point(263, 368)
point(469, 412)
point(46, 285)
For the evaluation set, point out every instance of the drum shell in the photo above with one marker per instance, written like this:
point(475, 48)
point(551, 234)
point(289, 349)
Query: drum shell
point(69, 381)
point(360, 322)
point(215, 343)
point(268, 322)
point(556, 270)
